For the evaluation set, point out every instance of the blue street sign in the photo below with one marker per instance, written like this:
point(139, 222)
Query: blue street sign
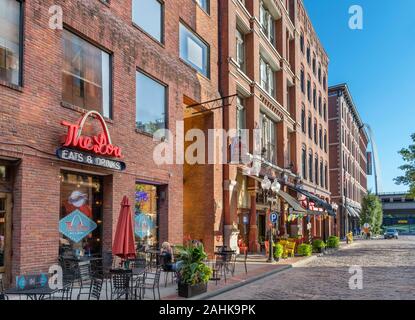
point(273, 217)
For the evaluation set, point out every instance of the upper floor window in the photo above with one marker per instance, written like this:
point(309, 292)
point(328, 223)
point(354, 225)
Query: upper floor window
point(86, 75)
point(302, 79)
point(240, 115)
point(303, 129)
point(308, 54)
point(316, 169)
point(310, 166)
point(314, 63)
point(320, 137)
point(194, 50)
point(320, 107)
point(267, 22)
point(321, 174)
point(150, 104)
point(268, 138)
point(10, 41)
point(267, 77)
point(240, 49)
point(324, 82)
point(325, 141)
point(204, 4)
point(302, 42)
point(315, 97)
point(319, 74)
point(310, 127)
point(309, 89)
point(148, 15)
point(304, 162)
point(325, 111)
point(315, 132)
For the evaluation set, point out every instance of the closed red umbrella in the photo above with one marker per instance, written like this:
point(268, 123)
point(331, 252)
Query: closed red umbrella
point(123, 245)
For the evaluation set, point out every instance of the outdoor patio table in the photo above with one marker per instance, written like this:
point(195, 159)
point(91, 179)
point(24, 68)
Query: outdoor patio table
point(32, 294)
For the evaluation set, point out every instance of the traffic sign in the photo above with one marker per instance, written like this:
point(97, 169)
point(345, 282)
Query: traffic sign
point(273, 217)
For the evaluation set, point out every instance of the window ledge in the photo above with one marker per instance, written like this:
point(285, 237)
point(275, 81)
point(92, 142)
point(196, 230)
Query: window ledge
point(11, 85)
point(81, 110)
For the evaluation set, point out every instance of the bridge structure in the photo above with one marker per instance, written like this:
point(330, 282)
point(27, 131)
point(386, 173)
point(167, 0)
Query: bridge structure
point(399, 211)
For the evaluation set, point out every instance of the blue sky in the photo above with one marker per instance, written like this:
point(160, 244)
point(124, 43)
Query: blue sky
point(378, 64)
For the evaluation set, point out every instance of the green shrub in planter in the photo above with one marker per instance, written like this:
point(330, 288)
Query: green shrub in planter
point(333, 242)
point(305, 250)
point(278, 251)
point(318, 245)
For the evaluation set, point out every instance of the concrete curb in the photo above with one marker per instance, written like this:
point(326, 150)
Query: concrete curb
point(253, 279)
point(211, 294)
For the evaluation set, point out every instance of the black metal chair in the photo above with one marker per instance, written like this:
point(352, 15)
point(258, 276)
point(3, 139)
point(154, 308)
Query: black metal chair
point(150, 281)
point(167, 270)
point(121, 284)
point(2, 295)
point(63, 294)
point(84, 277)
point(68, 268)
point(95, 288)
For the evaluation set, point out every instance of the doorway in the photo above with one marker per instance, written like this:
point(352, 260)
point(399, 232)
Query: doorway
point(5, 236)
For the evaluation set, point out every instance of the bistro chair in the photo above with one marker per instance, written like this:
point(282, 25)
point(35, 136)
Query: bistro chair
point(68, 268)
point(167, 270)
point(150, 281)
point(121, 283)
point(2, 295)
point(63, 294)
point(96, 288)
point(84, 277)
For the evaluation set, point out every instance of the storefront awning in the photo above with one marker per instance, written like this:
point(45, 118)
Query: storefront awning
point(319, 202)
point(292, 202)
point(352, 212)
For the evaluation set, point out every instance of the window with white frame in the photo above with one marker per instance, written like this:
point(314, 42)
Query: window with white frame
point(268, 144)
point(240, 115)
point(240, 49)
point(267, 22)
point(267, 77)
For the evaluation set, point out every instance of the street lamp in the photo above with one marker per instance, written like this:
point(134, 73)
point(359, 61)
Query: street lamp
point(270, 189)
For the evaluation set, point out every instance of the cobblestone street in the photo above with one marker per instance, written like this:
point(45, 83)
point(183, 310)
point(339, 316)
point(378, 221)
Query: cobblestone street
point(388, 273)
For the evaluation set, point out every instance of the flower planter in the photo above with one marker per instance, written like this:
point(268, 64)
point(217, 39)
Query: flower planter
point(188, 291)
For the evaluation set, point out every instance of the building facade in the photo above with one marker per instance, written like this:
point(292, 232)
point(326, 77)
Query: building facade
point(268, 51)
point(398, 212)
point(108, 80)
point(348, 158)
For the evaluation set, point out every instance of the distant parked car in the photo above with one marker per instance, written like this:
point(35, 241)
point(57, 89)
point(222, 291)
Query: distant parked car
point(391, 234)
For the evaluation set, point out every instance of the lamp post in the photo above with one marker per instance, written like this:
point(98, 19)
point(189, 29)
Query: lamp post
point(270, 189)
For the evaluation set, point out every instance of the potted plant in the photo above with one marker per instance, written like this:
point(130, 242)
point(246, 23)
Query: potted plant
point(333, 242)
point(278, 251)
point(193, 273)
point(319, 246)
point(305, 250)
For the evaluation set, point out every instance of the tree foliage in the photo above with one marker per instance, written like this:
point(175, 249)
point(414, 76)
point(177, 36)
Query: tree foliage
point(408, 155)
point(372, 212)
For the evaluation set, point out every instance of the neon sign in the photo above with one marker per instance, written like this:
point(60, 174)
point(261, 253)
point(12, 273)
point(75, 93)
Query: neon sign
point(100, 144)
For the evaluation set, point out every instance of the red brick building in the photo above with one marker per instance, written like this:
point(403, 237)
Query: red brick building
point(137, 63)
point(269, 50)
point(348, 158)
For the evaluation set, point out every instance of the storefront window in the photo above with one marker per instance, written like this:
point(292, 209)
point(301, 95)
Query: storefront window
point(80, 223)
point(146, 217)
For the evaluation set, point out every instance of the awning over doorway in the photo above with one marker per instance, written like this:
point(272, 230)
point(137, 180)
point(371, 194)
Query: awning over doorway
point(352, 212)
point(319, 202)
point(297, 208)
